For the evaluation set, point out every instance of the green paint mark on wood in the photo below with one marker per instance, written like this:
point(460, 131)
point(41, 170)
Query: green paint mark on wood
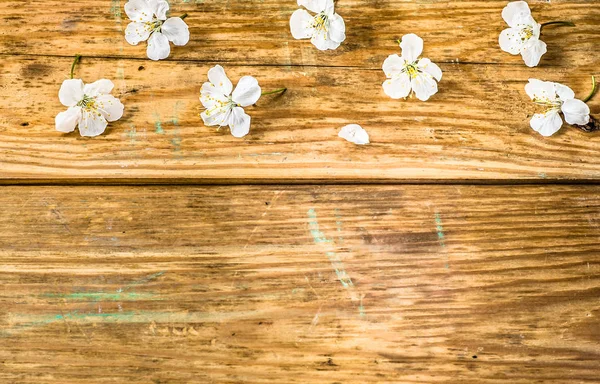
point(319, 238)
point(440, 233)
point(158, 124)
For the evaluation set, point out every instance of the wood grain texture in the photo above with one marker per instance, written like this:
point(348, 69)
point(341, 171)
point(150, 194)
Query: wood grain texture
point(257, 31)
point(475, 128)
point(351, 284)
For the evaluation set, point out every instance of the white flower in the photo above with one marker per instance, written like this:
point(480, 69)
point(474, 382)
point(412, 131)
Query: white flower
point(148, 23)
point(523, 36)
point(354, 133)
point(90, 105)
point(224, 107)
point(555, 98)
point(408, 72)
point(326, 30)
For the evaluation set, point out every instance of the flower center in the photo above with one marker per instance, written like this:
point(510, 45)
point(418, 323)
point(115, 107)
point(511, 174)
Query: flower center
point(526, 32)
point(321, 23)
point(411, 70)
point(154, 25)
point(221, 106)
point(88, 103)
point(548, 104)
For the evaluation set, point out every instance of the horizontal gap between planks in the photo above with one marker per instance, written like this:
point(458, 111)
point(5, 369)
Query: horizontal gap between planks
point(240, 64)
point(270, 182)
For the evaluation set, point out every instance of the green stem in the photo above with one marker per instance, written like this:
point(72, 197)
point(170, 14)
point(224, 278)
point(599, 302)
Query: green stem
point(594, 89)
point(280, 90)
point(77, 58)
point(183, 16)
point(561, 23)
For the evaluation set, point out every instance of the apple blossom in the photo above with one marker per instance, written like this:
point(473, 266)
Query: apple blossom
point(326, 30)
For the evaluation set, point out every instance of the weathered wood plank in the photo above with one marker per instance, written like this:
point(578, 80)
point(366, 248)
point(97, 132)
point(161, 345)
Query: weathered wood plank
point(475, 128)
point(348, 284)
point(257, 32)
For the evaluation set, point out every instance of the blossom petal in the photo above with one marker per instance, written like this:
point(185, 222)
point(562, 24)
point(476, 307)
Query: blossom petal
point(218, 117)
point(513, 9)
point(158, 47)
point(424, 86)
point(301, 24)
point(71, 92)
point(139, 11)
point(67, 121)
point(247, 92)
point(99, 87)
point(354, 133)
point(533, 52)
point(110, 107)
point(92, 124)
point(239, 122)
point(217, 76)
point(564, 93)
point(546, 124)
point(397, 87)
point(159, 8)
point(393, 64)
point(337, 28)
point(316, 6)
point(210, 96)
point(425, 65)
point(542, 90)
point(136, 32)
point(322, 41)
point(510, 41)
point(412, 47)
point(176, 31)
point(576, 112)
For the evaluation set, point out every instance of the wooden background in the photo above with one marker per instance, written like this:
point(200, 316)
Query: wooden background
point(460, 246)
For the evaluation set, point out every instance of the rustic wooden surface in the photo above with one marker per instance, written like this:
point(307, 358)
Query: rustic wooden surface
point(475, 128)
point(284, 283)
point(304, 284)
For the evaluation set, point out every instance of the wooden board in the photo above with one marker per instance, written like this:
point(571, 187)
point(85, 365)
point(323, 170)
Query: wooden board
point(475, 129)
point(347, 284)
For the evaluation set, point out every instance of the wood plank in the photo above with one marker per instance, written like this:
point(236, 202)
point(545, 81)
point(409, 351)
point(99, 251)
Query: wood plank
point(257, 32)
point(475, 128)
point(349, 284)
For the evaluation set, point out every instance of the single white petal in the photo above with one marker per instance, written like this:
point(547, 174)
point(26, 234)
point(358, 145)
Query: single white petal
point(159, 8)
point(397, 87)
point(322, 41)
point(218, 116)
point(67, 121)
point(137, 32)
point(158, 47)
point(92, 124)
point(139, 11)
point(110, 107)
point(71, 92)
point(541, 90)
point(546, 124)
point(513, 9)
point(217, 76)
point(316, 6)
point(424, 86)
point(354, 133)
point(564, 93)
point(176, 30)
point(576, 112)
point(425, 65)
point(239, 122)
point(412, 47)
point(247, 92)
point(210, 96)
point(337, 28)
point(99, 87)
point(510, 41)
point(533, 52)
point(301, 24)
point(393, 64)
